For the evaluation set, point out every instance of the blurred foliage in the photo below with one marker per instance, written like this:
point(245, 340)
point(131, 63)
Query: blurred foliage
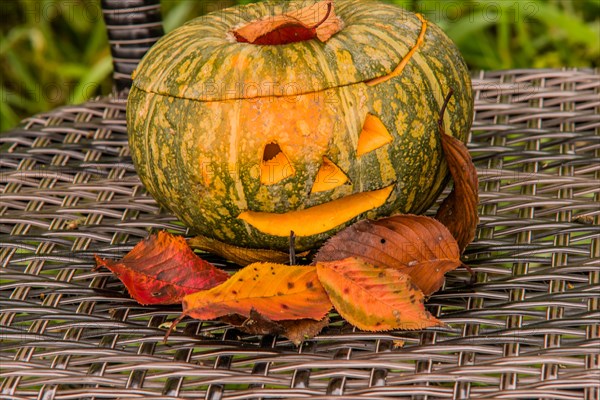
point(509, 34)
point(51, 53)
point(54, 52)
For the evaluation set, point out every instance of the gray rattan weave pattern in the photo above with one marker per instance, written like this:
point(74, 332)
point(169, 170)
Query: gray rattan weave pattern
point(529, 328)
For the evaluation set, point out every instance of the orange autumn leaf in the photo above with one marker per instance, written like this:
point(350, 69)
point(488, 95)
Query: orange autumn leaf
point(458, 211)
point(418, 246)
point(314, 21)
point(276, 291)
point(374, 298)
point(162, 269)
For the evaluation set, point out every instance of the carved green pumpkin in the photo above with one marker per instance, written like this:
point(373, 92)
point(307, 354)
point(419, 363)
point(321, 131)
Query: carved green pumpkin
point(247, 142)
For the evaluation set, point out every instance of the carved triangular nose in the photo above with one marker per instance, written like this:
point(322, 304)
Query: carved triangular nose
point(329, 177)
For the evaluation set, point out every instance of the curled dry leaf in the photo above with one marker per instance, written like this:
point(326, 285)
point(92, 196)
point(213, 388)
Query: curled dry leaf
point(373, 298)
point(162, 269)
point(418, 246)
point(314, 21)
point(295, 330)
point(239, 255)
point(458, 211)
point(278, 292)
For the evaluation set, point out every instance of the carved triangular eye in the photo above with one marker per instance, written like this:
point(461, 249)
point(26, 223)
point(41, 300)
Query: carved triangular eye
point(374, 135)
point(275, 166)
point(329, 177)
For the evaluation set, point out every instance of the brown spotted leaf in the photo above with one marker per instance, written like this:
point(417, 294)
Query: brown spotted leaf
point(295, 330)
point(418, 246)
point(314, 21)
point(374, 298)
point(458, 211)
point(278, 292)
point(239, 255)
point(162, 269)
point(303, 329)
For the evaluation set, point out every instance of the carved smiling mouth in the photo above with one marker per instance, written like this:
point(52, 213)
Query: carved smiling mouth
point(317, 219)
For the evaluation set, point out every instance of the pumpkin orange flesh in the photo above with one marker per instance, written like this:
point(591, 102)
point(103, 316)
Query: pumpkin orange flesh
point(276, 169)
point(317, 219)
point(328, 177)
point(374, 135)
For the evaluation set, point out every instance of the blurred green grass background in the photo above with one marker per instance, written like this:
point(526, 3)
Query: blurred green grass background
point(55, 52)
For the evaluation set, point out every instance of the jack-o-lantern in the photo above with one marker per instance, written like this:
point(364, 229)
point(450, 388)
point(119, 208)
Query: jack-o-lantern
point(246, 142)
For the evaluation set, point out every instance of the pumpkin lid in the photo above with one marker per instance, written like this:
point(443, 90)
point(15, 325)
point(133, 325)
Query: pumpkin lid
point(202, 60)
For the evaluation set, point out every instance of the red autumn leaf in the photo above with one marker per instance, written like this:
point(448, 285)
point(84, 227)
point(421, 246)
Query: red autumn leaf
point(315, 21)
point(278, 292)
point(296, 330)
point(458, 211)
point(374, 298)
point(162, 269)
point(418, 246)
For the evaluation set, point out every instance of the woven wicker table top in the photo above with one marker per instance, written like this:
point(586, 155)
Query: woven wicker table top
point(528, 328)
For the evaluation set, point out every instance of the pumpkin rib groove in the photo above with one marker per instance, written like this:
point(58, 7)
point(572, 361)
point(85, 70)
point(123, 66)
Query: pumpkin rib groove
point(323, 66)
point(437, 88)
point(400, 49)
point(233, 158)
point(147, 144)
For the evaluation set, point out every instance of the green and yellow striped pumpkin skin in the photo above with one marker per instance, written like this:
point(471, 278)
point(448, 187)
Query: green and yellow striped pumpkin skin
point(198, 126)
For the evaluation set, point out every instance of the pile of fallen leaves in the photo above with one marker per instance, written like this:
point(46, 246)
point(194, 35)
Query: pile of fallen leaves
point(376, 274)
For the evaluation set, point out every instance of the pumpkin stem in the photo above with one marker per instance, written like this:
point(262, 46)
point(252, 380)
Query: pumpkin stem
point(295, 26)
point(315, 26)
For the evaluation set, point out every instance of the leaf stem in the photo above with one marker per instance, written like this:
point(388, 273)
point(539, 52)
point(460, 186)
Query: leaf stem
point(470, 271)
point(172, 327)
point(292, 248)
point(443, 111)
